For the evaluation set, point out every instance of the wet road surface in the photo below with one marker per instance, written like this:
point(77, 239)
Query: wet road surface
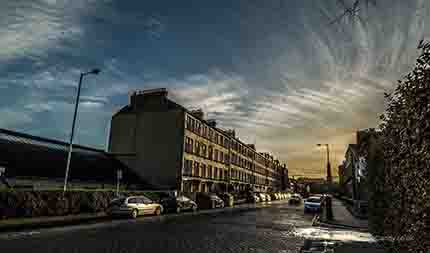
point(278, 227)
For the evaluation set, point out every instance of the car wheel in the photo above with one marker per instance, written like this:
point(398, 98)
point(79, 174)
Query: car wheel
point(178, 209)
point(158, 211)
point(134, 214)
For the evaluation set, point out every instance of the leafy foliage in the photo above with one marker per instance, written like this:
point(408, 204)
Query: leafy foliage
point(405, 181)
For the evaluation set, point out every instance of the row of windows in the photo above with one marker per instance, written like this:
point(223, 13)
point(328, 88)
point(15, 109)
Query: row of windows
point(241, 162)
point(201, 129)
point(208, 152)
point(242, 149)
point(196, 169)
point(242, 176)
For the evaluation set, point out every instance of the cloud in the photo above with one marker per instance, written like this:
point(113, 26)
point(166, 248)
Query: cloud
point(11, 118)
point(34, 27)
point(277, 74)
point(90, 104)
point(39, 107)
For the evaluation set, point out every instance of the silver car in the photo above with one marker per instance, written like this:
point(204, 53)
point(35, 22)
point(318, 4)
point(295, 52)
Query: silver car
point(134, 206)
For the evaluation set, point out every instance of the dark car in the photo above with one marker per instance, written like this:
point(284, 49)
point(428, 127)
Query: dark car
point(227, 198)
point(295, 199)
point(178, 204)
point(209, 201)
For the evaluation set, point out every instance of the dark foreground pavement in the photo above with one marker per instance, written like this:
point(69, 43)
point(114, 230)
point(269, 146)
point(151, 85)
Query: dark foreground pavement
point(275, 228)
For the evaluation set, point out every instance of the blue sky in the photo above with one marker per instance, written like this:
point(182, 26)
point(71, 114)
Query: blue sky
point(273, 70)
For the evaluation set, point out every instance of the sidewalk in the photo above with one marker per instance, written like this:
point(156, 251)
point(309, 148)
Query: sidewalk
point(20, 224)
point(342, 218)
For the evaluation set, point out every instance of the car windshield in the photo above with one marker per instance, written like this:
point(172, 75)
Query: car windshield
point(313, 200)
point(182, 198)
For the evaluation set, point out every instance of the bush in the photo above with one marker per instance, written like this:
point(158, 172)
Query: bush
point(15, 204)
point(404, 184)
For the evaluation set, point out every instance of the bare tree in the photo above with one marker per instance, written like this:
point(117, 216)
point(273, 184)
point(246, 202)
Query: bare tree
point(352, 11)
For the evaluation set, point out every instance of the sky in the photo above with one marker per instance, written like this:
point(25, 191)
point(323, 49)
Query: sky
point(274, 70)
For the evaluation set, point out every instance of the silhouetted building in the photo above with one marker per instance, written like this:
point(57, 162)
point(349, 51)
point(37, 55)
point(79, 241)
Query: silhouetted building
point(177, 149)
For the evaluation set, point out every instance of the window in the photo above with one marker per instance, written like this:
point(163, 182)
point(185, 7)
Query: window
point(204, 150)
point(210, 152)
point(145, 200)
point(189, 145)
point(188, 164)
point(216, 155)
point(216, 138)
point(221, 157)
point(203, 170)
point(221, 140)
point(210, 171)
point(210, 134)
point(188, 123)
point(205, 131)
point(226, 159)
point(197, 150)
point(220, 173)
point(196, 169)
point(216, 173)
point(132, 201)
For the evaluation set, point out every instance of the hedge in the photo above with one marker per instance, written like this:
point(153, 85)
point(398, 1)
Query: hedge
point(17, 204)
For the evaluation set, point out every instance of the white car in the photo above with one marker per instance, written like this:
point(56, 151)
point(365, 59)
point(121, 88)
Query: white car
point(134, 206)
point(313, 204)
point(262, 197)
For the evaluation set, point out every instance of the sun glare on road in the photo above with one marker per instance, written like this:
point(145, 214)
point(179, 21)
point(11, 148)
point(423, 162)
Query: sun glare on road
point(332, 234)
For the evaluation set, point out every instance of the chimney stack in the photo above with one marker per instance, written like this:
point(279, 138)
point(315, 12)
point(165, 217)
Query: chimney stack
point(211, 122)
point(198, 114)
point(152, 96)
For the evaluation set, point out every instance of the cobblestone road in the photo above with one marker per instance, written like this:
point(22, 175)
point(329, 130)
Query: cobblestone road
point(270, 229)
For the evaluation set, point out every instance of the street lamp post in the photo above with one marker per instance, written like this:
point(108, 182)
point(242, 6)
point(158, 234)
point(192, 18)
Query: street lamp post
point(329, 178)
point(69, 156)
point(327, 200)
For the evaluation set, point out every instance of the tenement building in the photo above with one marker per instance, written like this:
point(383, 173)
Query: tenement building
point(177, 149)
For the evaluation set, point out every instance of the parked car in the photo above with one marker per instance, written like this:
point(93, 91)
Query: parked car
point(227, 198)
point(262, 197)
point(274, 196)
point(313, 204)
point(178, 204)
point(209, 201)
point(134, 206)
point(295, 199)
point(255, 198)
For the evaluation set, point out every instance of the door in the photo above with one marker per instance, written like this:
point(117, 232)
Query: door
point(134, 204)
point(141, 206)
point(148, 205)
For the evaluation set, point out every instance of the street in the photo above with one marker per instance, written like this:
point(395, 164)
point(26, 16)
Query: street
point(277, 227)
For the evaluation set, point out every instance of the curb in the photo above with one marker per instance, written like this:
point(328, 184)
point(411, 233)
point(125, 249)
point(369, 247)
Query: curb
point(103, 217)
point(52, 224)
point(339, 226)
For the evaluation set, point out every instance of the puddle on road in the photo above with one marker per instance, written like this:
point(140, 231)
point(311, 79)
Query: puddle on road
point(333, 234)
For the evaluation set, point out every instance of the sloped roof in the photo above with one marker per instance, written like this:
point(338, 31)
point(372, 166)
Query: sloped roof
point(25, 155)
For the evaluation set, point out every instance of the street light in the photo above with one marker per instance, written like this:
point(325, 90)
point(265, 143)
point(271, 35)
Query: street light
point(329, 179)
point(95, 72)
